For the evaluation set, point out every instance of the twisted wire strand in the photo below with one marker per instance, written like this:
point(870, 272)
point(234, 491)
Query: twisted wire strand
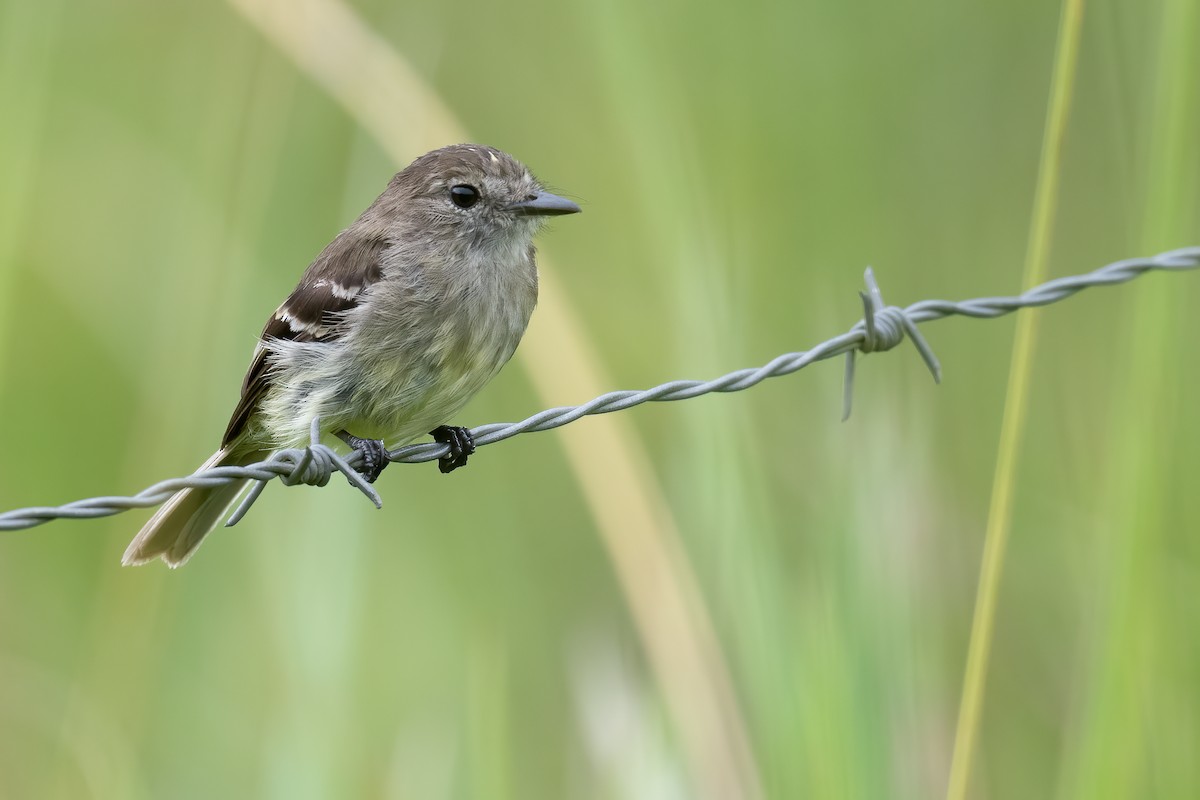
point(881, 328)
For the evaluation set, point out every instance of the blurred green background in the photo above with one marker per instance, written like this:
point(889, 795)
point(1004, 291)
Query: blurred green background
point(790, 616)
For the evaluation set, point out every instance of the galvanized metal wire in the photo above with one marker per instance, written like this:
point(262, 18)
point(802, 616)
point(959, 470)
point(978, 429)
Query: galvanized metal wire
point(881, 328)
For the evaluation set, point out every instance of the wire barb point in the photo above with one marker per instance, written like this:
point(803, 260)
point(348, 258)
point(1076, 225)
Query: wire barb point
point(882, 328)
point(310, 466)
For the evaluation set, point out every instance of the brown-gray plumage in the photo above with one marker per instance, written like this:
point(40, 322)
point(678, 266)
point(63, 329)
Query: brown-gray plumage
point(396, 324)
point(331, 286)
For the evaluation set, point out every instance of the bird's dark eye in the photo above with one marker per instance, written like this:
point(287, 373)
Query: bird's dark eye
point(464, 195)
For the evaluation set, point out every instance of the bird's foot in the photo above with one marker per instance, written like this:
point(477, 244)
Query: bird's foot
point(374, 454)
point(461, 445)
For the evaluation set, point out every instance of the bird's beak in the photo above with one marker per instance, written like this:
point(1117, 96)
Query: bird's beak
point(546, 205)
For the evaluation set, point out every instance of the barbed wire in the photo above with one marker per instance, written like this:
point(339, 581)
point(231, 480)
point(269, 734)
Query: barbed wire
point(881, 328)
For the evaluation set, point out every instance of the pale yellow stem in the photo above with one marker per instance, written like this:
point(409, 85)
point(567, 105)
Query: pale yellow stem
point(1015, 403)
point(384, 94)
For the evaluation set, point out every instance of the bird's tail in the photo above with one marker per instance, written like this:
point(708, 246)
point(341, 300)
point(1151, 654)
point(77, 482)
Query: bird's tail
point(176, 529)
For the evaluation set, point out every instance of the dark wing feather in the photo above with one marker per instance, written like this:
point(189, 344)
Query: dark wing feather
point(332, 285)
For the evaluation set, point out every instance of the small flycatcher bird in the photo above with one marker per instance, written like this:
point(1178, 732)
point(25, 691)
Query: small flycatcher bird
point(396, 324)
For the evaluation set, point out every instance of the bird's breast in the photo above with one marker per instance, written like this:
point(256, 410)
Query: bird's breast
point(439, 342)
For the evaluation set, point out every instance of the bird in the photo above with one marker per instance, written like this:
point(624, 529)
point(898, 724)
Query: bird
point(394, 326)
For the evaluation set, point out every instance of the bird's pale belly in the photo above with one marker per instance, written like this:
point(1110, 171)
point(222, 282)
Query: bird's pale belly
point(397, 389)
point(412, 399)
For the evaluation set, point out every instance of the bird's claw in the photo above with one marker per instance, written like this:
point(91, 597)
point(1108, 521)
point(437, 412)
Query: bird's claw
point(374, 455)
point(461, 444)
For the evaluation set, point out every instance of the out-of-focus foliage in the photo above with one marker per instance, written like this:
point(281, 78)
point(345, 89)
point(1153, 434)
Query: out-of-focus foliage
point(166, 174)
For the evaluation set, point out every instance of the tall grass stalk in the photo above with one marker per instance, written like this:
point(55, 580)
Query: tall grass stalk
point(330, 43)
point(1016, 401)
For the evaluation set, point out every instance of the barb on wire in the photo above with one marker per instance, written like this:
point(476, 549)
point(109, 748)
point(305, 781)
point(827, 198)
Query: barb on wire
point(313, 467)
point(881, 328)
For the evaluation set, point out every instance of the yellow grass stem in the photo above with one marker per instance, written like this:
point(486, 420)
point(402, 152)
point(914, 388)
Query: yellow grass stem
point(1016, 401)
point(385, 95)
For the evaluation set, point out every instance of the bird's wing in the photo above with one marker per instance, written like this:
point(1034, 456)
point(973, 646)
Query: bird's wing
point(332, 285)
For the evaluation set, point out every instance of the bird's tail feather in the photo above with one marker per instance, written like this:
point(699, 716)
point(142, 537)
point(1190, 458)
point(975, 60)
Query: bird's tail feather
point(178, 527)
